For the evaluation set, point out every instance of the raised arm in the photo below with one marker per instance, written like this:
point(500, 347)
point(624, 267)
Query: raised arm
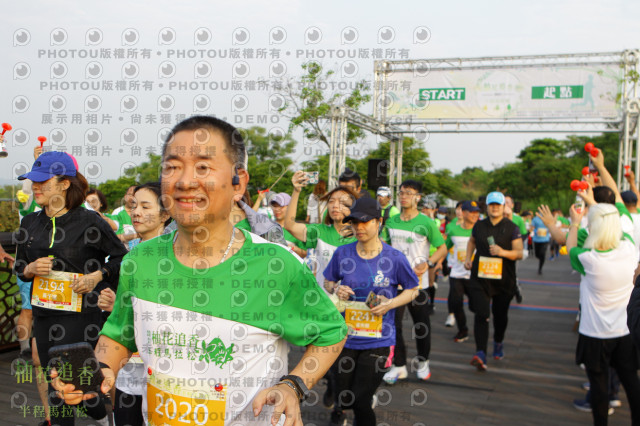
point(298, 230)
point(607, 179)
point(545, 215)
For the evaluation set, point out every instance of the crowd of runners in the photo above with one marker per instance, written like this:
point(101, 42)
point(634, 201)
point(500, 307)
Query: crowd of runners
point(190, 292)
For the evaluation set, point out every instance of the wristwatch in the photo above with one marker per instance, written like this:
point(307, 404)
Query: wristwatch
point(430, 263)
point(301, 389)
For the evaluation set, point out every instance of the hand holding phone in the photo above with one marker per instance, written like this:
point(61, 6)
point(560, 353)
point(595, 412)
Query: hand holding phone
point(79, 375)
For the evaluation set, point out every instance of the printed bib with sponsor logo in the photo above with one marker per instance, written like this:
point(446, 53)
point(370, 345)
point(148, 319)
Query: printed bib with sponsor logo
point(490, 267)
point(461, 249)
point(173, 402)
point(541, 232)
point(361, 322)
point(54, 291)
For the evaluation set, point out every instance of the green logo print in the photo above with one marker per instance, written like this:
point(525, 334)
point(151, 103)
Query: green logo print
point(216, 352)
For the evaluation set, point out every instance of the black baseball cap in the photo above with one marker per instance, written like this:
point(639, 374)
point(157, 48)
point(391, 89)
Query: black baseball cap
point(364, 210)
point(629, 197)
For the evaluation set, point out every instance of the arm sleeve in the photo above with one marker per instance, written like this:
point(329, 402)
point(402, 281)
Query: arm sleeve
point(119, 325)
point(575, 261)
point(21, 255)
point(111, 245)
point(308, 317)
point(434, 236)
point(515, 235)
point(406, 276)
point(333, 270)
point(312, 236)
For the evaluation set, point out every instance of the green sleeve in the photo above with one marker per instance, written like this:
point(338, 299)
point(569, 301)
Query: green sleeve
point(575, 262)
point(622, 209)
point(518, 220)
point(448, 242)
point(119, 325)
point(582, 236)
point(307, 316)
point(433, 235)
point(312, 235)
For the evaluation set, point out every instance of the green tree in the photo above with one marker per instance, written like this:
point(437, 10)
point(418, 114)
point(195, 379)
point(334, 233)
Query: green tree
point(309, 100)
point(268, 159)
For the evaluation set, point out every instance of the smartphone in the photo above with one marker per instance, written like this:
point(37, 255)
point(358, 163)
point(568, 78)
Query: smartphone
point(77, 364)
point(313, 177)
point(491, 240)
point(372, 300)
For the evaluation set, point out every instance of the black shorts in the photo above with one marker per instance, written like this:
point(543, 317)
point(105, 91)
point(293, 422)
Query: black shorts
point(596, 354)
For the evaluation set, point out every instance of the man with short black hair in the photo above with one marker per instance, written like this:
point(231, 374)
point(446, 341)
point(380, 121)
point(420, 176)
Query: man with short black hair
point(352, 180)
point(205, 278)
point(413, 233)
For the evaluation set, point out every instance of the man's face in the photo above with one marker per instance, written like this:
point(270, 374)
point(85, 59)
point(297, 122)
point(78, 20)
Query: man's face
point(383, 200)
point(470, 217)
point(353, 185)
point(495, 210)
point(196, 179)
point(409, 197)
point(508, 201)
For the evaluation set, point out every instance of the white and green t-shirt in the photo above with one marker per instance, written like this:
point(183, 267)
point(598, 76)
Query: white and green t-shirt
point(457, 239)
point(325, 240)
point(605, 288)
point(413, 238)
point(212, 338)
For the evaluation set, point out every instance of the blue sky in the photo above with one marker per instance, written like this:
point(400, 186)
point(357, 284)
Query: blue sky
point(460, 29)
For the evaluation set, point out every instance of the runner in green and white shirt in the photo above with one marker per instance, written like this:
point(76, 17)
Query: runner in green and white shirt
point(324, 237)
point(208, 306)
point(457, 238)
point(413, 233)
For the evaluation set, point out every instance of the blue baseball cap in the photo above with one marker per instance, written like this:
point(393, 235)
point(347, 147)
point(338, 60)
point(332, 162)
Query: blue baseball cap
point(470, 206)
point(50, 164)
point(495, 198)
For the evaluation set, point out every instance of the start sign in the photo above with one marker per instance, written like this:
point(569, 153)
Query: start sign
point(557, 92)
point(445, 94)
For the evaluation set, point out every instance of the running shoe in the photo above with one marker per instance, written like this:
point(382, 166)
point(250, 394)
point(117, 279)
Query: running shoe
point(461, 336)
point(480, 361)
point(451, 320)
point(395, 374)
point(584, 405)
point(498, 350)
point(423, 372)
point(518, 292)
point(614, 401)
